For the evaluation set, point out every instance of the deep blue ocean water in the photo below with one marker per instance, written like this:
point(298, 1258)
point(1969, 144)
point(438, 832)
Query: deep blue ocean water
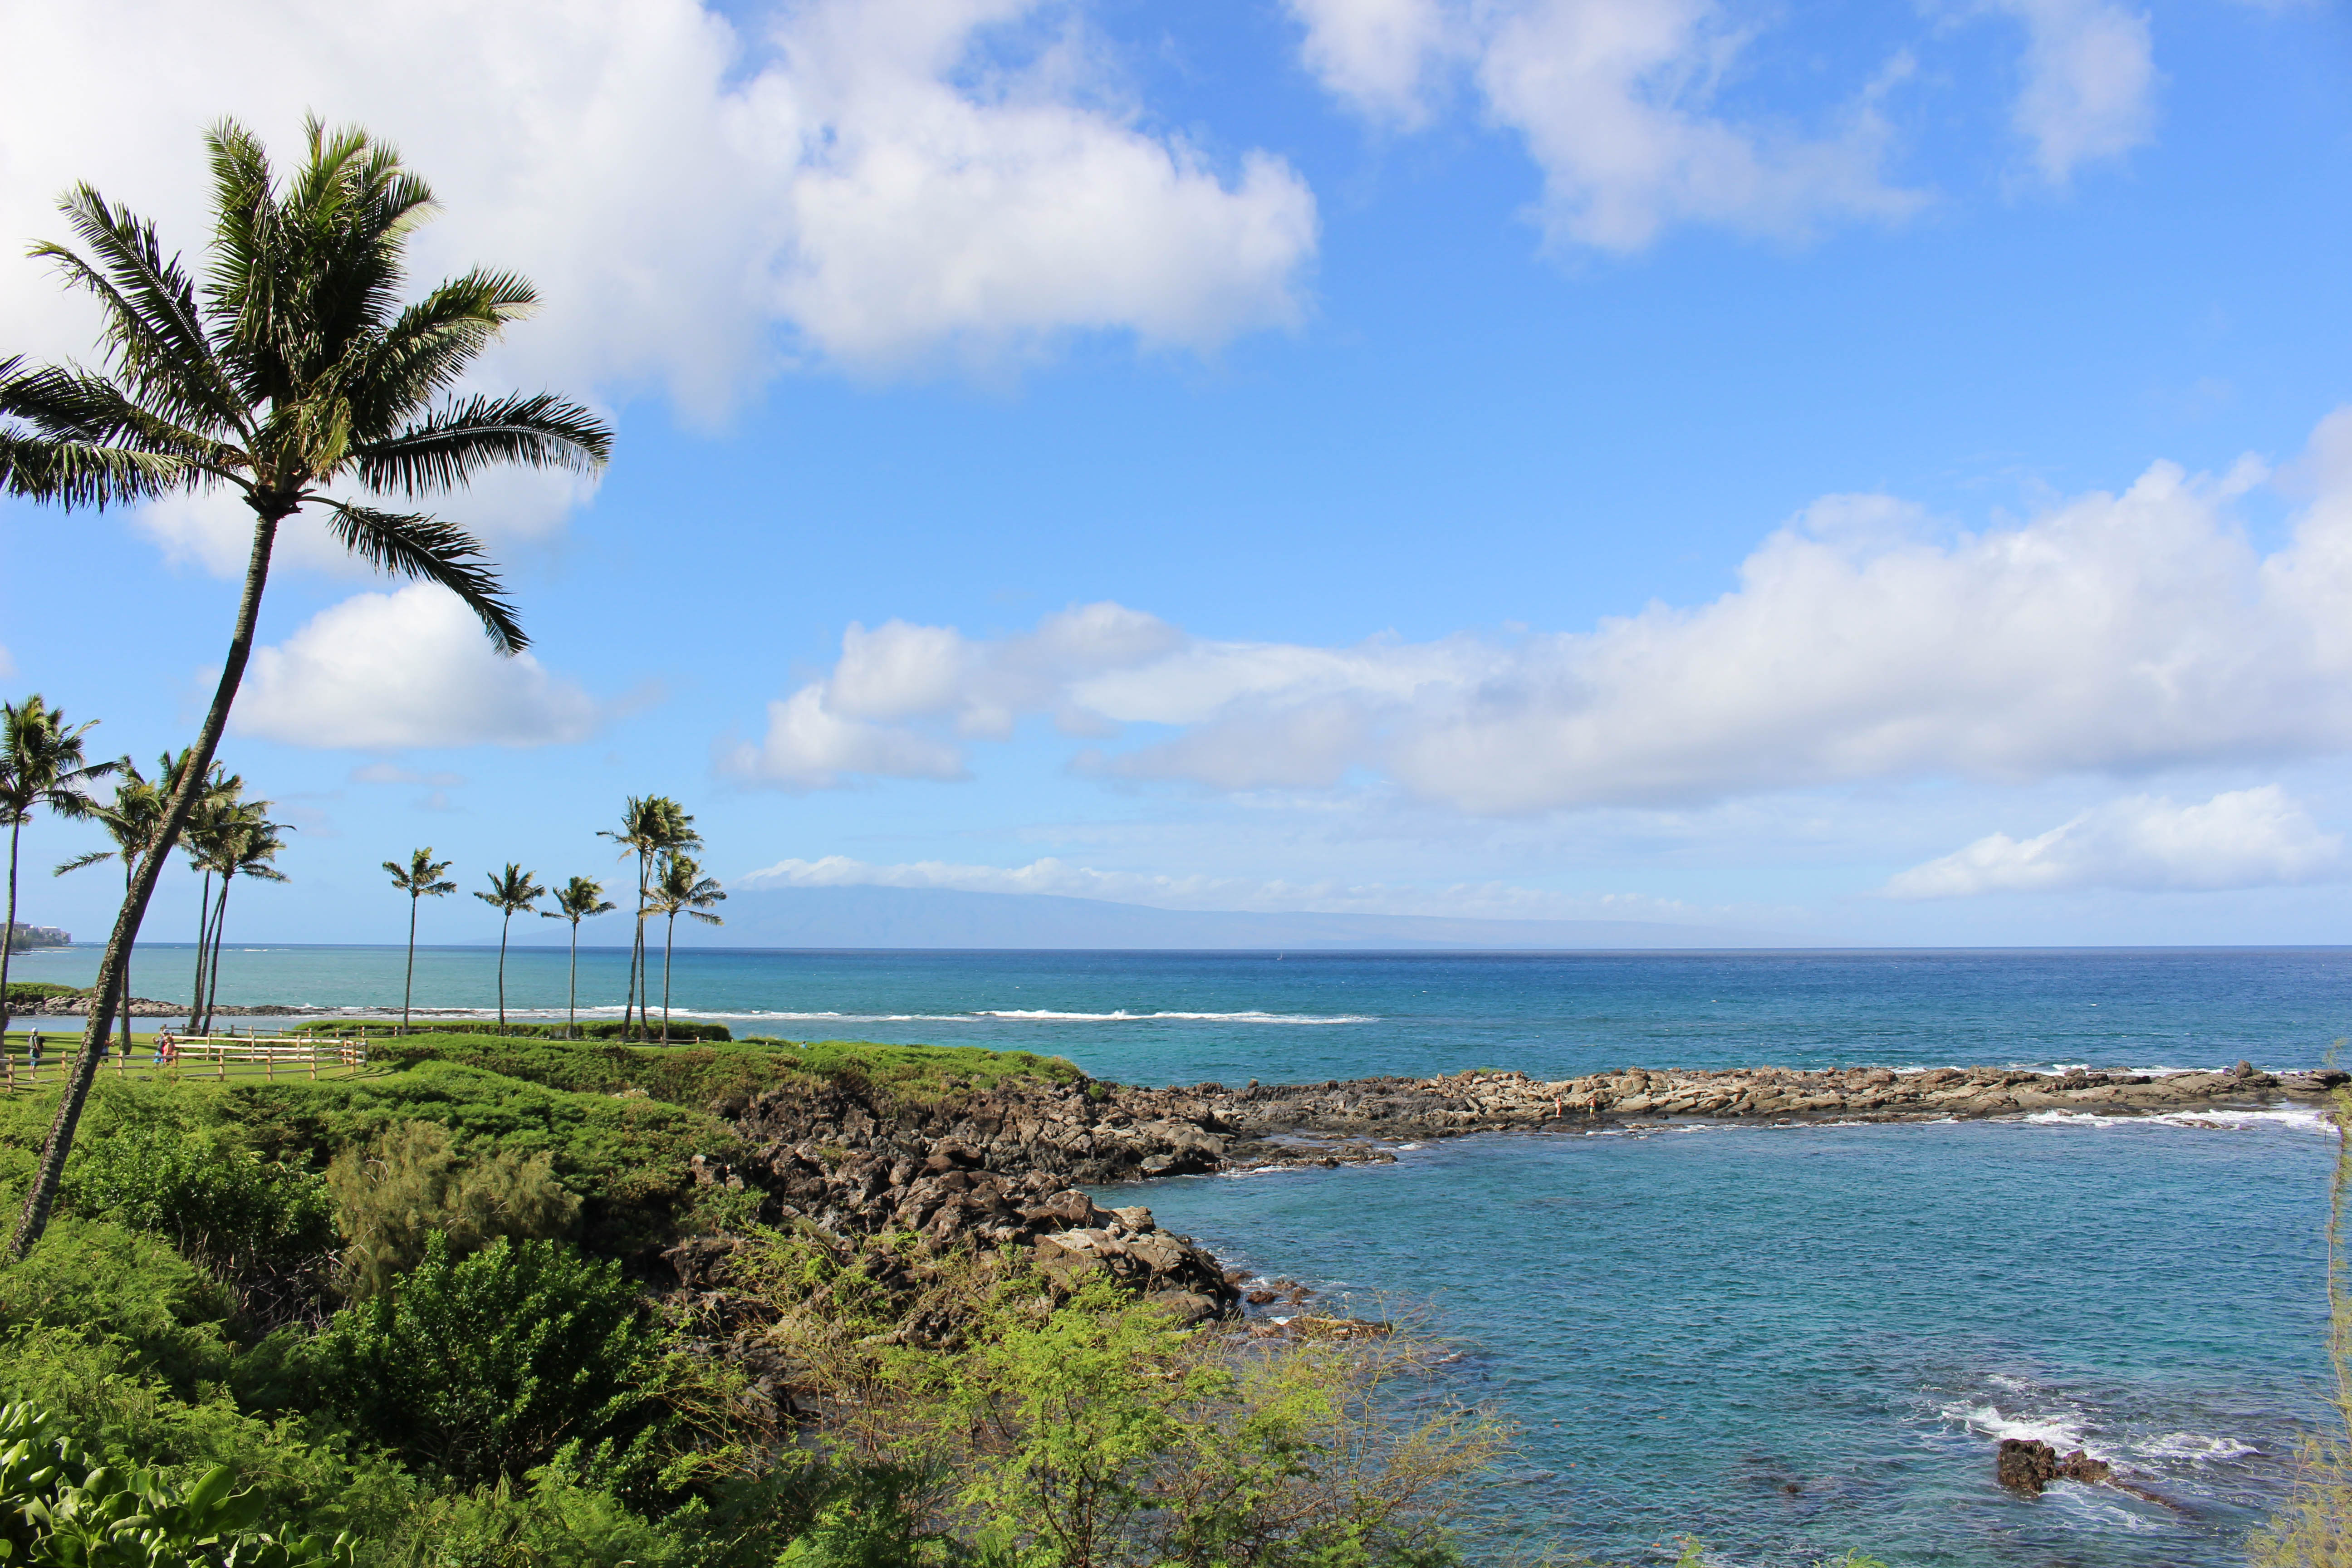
point(1788, 1342)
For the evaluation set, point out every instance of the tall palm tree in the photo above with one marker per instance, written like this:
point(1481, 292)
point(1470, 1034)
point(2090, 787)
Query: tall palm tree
point(41, 766)
point(420, 878)
point(575, 901)
point(247, 850)
point(680, 888)
point(650, 825)
point(512, 891)
point(131, 819)
point(296, 378)
point(204, 841)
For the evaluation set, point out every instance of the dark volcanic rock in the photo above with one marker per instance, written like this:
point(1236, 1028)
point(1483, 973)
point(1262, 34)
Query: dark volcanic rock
point(2026, 1465)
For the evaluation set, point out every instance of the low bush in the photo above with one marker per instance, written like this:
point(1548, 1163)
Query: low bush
point(263, 1228)
point(107, 1283)
point(681, 1030)
point(625, 1157)
point(32, 992)
point(727, 1074)
point(483, 1368)
point(409, 1183)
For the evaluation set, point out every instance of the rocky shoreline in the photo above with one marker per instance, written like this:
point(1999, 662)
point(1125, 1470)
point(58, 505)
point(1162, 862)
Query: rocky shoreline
point(77, 1006)
point(1002, 1167)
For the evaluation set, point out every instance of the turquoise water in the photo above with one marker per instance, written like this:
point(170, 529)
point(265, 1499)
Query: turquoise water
point(1789, 1342)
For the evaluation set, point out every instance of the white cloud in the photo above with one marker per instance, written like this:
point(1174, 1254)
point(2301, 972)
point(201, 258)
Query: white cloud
point(835, 732)
point(871, 181)
point(411, 669)
point(2244, 838)
point(1483, 901)
point(2090, 81)
point(7, 663)
point(1621, 105)
point(2112, 633)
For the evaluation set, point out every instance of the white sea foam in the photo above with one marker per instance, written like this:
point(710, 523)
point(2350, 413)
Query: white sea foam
point(2290, 1118)
point(1050, 1015)
point(2064, 1431)
point(2194, 1446)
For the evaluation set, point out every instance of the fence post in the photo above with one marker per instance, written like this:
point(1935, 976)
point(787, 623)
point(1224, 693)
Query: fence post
point(220, 1057)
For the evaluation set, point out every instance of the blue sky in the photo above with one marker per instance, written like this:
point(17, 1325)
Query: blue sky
point(1860, 473)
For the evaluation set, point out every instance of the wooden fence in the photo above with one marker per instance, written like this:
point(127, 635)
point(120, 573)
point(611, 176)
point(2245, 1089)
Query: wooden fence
point(297, 1054)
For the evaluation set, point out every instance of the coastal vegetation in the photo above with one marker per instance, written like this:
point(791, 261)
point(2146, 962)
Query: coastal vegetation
point(425, 1316)
point(294, 376)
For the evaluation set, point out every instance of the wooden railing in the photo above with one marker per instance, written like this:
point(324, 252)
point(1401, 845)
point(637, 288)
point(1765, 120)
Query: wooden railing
point(297, 1054)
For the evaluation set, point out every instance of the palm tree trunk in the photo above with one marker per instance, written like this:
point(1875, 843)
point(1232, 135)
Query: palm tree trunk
point(9, 931)
point(638, 952)
point(571, 1007)
point(220, 929)
point(502, 970)
point(129, 862)
point(204, 949)
point(107, 992)
point(669, 940)
point(408, 985)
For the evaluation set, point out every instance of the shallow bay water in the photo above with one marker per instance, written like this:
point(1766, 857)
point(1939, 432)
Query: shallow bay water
point(1788, 1342)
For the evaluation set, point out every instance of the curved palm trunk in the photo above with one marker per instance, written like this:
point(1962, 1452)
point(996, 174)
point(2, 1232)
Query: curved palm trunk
point(571, 1003)
point(106, 994)
point(408, 983)
point(669, 940)
point(503, 970)
point(638, 982)
point(220, 929)
point(203, 951)
point(9, 931)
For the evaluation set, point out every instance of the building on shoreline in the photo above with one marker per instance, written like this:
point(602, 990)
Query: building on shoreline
point(23, 938)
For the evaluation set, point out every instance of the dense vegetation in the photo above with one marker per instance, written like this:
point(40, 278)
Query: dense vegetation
point(408, 1317)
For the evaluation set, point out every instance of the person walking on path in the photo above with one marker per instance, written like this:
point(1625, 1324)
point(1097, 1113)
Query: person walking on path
point(33, 1057)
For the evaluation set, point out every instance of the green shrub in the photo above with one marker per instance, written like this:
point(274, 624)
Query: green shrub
point(108, 1283)
point(409, 1182)
point(483, 1368)
point(681, 1030)
point(626, 1158)
point(263, 1228)
point(60, 1504)
point(32, 992)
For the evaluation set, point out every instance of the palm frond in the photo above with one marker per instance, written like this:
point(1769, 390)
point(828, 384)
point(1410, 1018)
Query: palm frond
point(413, 546)
point(154, 332)
point(424, 351)
point(451, 444)
point(75, 473)
point(96, 856)
point(68, 403)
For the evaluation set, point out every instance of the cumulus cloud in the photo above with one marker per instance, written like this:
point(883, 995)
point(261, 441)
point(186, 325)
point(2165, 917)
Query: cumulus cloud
point(873, 182)
point(1621, 105)
point(1485, 901)
point(2090, 82)
point(853, 724)
point(392, 671)
point(2244, 838)
point(2113, 632)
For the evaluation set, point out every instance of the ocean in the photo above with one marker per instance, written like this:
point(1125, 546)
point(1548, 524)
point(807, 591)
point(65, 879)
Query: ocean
point(1787, 1343)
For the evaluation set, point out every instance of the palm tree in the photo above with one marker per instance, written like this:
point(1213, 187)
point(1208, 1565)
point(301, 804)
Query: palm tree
point(41, 766)
point(681, 888)
point(130, 819)
point(205, 841)
point(420, 878)
point(249, 847)
point(296, 378)
point(575, 901)
point(650, 825)
point(512, 891)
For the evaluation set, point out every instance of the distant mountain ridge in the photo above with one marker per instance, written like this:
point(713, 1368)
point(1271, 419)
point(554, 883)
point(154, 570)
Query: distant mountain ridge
point(881, 917)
